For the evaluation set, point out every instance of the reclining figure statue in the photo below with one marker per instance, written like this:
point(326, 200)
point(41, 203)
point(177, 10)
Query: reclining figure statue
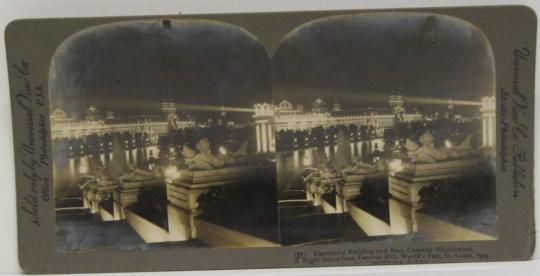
point(360, 167)
point(206, 160)
point(100, 177)
point(323, 170)
point(134, 173)
point(428, 153)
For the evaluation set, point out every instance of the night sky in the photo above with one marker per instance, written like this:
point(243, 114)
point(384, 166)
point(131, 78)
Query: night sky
point(359, 59)
point(131, 68)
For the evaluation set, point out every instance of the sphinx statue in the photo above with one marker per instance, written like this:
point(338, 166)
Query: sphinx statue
point(204, 158)
point(426, 152)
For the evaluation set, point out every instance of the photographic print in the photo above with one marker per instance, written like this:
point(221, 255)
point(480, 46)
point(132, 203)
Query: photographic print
point(385, 127)
point(267, 140)
point(168, 134)
point(153, 130)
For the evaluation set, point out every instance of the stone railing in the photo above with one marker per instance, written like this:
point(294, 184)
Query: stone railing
point(94, 192)
point(351, 186)
point(127, 192)
point(404, 188)
point(317, 185)
point(406, 184)
point(182, 195)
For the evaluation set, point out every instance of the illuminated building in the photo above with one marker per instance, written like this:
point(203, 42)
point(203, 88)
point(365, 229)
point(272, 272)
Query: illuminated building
point(450, 111)
point(264, 126)
point(270, 118)
point(63, 126)
point(488, 121)
point(92, 114)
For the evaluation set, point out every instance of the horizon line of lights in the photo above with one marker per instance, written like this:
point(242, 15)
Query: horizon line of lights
point(221, 108)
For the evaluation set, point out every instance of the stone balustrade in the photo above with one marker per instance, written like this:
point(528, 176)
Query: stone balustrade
point(317, 186)
point(127, 192)
point(94, 193)
point(351, 186)
point(182, 195)
point(404, 186)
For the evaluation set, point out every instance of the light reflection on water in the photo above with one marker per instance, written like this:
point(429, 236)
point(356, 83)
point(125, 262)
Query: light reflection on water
point(66, 174)
point(293, 165)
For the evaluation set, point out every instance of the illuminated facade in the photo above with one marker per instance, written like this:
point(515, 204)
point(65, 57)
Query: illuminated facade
point(169, 111)
point(92, 114)
point(270, 118)
point(63, 126)
point(265, 127)
point(488, 121)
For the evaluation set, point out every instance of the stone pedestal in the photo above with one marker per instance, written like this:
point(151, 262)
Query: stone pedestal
point(402, 217)
point(317, 186)
point(182, 195)
point(88, 195)
point(94, 194)
point(93, 201)
point(127, 192)
point(312, 186)
point(86, 201)
point(350, 187)
point(404, 186)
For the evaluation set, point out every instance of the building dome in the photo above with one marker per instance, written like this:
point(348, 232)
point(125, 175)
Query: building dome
point(285, 105)
point(59, 117)
point(319, 106)
point(92, 114)
point(59, 113)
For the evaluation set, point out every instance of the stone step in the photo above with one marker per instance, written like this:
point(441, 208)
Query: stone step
point(68, 202)
point(294, 202)
point(79, 230)
point(318, 228)
point(298, 210)
point(291, 194)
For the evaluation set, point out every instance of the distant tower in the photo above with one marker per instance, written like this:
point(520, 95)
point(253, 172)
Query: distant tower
point(450, 111)
point(109, 115)
point(319, 106)
point(336, 106)
point(395, 101)
point(92, 114)
point(169, 112)
point(168, 109)
point(222, 115)
point(223, 112)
